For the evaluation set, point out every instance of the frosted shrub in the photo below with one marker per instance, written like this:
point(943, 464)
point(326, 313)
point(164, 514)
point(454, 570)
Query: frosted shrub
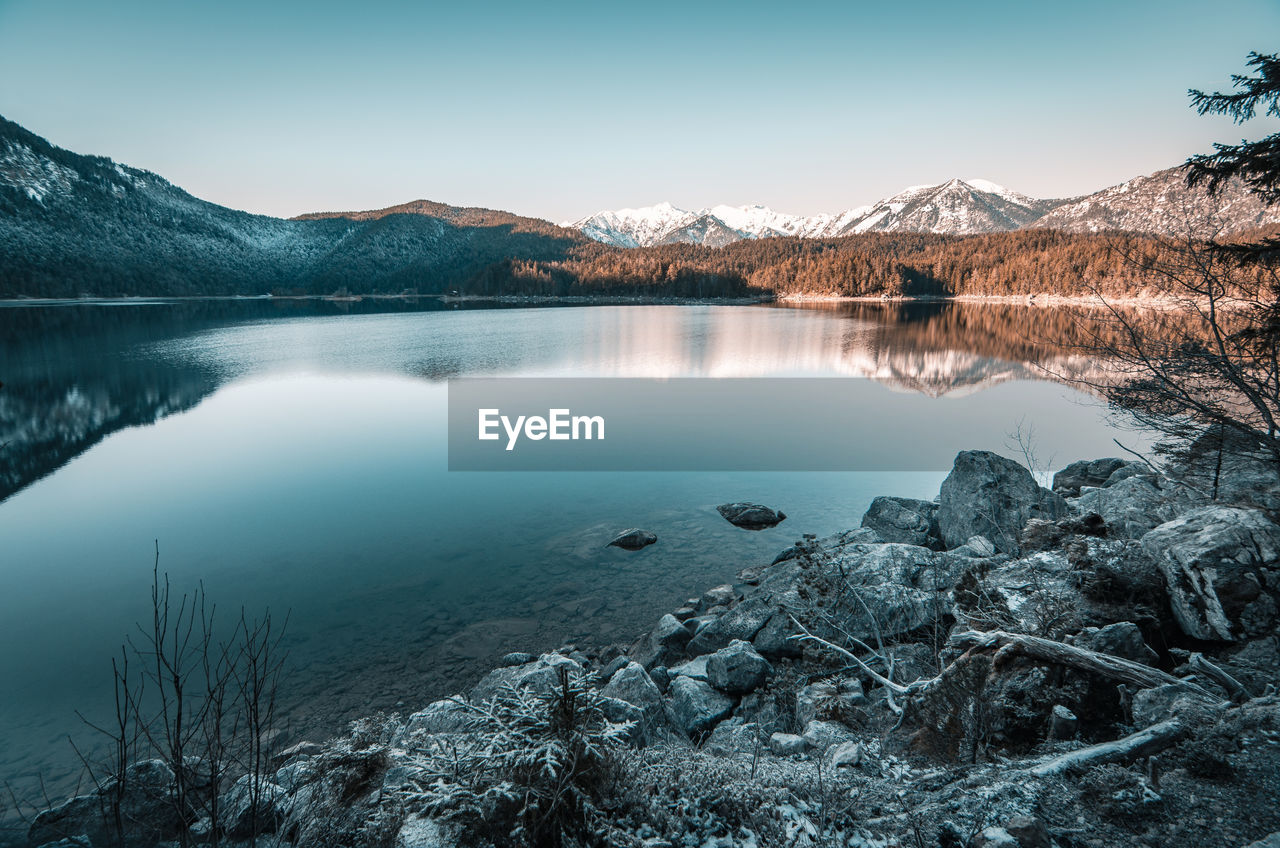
point(531, 770)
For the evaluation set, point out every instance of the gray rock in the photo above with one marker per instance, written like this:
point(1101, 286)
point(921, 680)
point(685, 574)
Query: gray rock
point(750, 516)
point(994, 837)
point(448, 715)
point(719, 596)
point(846, 754)
point(244, 817)
point(1220, 566)
point(735, 736)
point(779, 638)
point(661, 677)
point(684, 614)
point(989, 495)
point(515, 658)
point(613, 667)
point(821, 735)
point(147, 809)
point(633, 539)
point(1157, 703)
point(1122, 639)
point(737, 668)
point(1132, 468)
point(1269, 841)
point(906, 520)
point(695, 668)
point(787, 744)
point(1136, 504)
point(787, 553)
point(633, 685)
point(542, 676)
point(1086, 472)
point(742, 622)
point(695, 707)
point(666, 642)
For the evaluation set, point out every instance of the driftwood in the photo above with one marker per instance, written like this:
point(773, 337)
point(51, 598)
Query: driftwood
point(1235, 689)
point(1059, 653)
point(1144, 743)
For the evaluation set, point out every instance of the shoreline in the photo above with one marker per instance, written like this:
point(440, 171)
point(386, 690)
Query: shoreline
point(1040, 300)
point(732, 691)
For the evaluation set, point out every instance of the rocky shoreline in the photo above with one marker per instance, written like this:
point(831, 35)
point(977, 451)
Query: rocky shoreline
point(1093, 664)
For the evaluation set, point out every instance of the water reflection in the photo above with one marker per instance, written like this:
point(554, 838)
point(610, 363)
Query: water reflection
point(75, 374)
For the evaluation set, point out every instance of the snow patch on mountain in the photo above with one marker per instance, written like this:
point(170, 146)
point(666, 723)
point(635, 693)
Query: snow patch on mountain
point(35, 175)
point(957, 206)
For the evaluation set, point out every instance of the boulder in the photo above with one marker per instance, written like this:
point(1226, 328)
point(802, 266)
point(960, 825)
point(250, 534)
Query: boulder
point(779, 638)
point(990, 495)
point(1087, 472)
point(719, 596)
point(735, 736)
point(633, 539)
point(632, 684)
point(1136, 504)
point(695, 707)
point(666, 642)
point(448, 715)
point(787, 744)
point(742, 622)
point(1121, 639)
point(542, 676)
point(906, 520)
point(1221, 567)
point(515, 658)
point(146, 807)
point(695, 668)
point(846, 754)
point(737, 668)
point(245, 815)
point(750, 516)
point(821, 735)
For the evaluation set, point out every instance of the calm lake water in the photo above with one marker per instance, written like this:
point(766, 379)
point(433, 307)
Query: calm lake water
point(292, 455)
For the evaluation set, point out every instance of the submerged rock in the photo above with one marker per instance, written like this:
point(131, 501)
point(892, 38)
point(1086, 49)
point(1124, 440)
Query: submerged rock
point(990, 495)
point(633, 539)
point(750, 516)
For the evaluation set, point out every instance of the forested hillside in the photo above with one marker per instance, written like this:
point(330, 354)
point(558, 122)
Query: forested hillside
point(73, 225)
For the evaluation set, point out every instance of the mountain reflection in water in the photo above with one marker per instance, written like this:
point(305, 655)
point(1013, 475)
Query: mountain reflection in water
point(73, 374)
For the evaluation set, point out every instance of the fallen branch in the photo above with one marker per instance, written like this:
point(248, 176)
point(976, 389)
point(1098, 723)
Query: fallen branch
point(1235, 689)
point(849, 655)
point(1060, 653)
point(1144, 743)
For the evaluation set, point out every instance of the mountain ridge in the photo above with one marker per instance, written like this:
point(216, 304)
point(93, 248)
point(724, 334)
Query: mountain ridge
point(1156, 204)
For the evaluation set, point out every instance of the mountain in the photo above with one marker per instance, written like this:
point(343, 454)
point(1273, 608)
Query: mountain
point(1162, 204)
point(958, 207)
point(73, 224)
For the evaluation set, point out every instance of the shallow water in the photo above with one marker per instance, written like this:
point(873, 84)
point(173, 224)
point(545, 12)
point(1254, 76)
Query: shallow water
point(292, 455)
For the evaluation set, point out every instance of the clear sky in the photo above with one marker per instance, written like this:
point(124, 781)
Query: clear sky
point(561, 109)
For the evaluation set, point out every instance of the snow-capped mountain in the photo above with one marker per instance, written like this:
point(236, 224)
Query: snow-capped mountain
point(957, 206)
point(1162, 203)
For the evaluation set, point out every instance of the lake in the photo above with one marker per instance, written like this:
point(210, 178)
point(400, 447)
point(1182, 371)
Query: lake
point(291, 454)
